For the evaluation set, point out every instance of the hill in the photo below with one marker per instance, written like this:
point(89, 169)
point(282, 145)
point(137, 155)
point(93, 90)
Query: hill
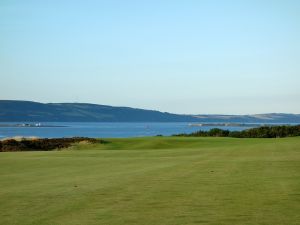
point(82, 112)
point(256, 118)
point(28, 111)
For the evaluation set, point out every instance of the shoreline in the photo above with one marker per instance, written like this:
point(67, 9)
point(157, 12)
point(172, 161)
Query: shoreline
point(29, 125)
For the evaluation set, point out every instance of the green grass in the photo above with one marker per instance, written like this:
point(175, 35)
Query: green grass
point(154, 181)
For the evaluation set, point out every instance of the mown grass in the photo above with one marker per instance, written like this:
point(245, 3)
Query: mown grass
point(157, 181)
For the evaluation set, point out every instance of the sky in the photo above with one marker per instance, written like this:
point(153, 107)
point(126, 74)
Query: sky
point(188, 57)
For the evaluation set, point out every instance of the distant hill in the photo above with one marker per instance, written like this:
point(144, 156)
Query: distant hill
point(256, 118)
point(28, 111)
point(81, 112)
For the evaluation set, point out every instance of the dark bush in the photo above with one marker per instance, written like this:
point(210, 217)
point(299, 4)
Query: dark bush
point(10, 145)
point(259, 132)
point(216, 132)
point(43, 144)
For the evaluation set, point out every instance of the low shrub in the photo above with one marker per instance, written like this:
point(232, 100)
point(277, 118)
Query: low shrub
point(44, 144)
point(259, 132)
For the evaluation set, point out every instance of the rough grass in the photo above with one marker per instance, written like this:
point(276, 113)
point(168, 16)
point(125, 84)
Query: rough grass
point(154, 181)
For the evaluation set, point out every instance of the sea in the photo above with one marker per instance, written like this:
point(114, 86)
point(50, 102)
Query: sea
point(101, 129)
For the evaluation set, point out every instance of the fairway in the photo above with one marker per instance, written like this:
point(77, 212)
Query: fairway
point(154, 181)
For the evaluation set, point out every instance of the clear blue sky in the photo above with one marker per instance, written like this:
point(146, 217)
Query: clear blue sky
point(229, 57)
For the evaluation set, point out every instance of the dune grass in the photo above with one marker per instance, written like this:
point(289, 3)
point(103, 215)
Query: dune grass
point(154, 181)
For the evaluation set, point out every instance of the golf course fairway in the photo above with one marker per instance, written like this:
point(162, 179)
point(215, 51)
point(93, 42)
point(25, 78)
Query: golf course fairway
point(154, 181)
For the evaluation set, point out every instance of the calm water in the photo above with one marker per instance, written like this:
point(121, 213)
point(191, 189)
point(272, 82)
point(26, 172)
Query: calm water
point(103, 129)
